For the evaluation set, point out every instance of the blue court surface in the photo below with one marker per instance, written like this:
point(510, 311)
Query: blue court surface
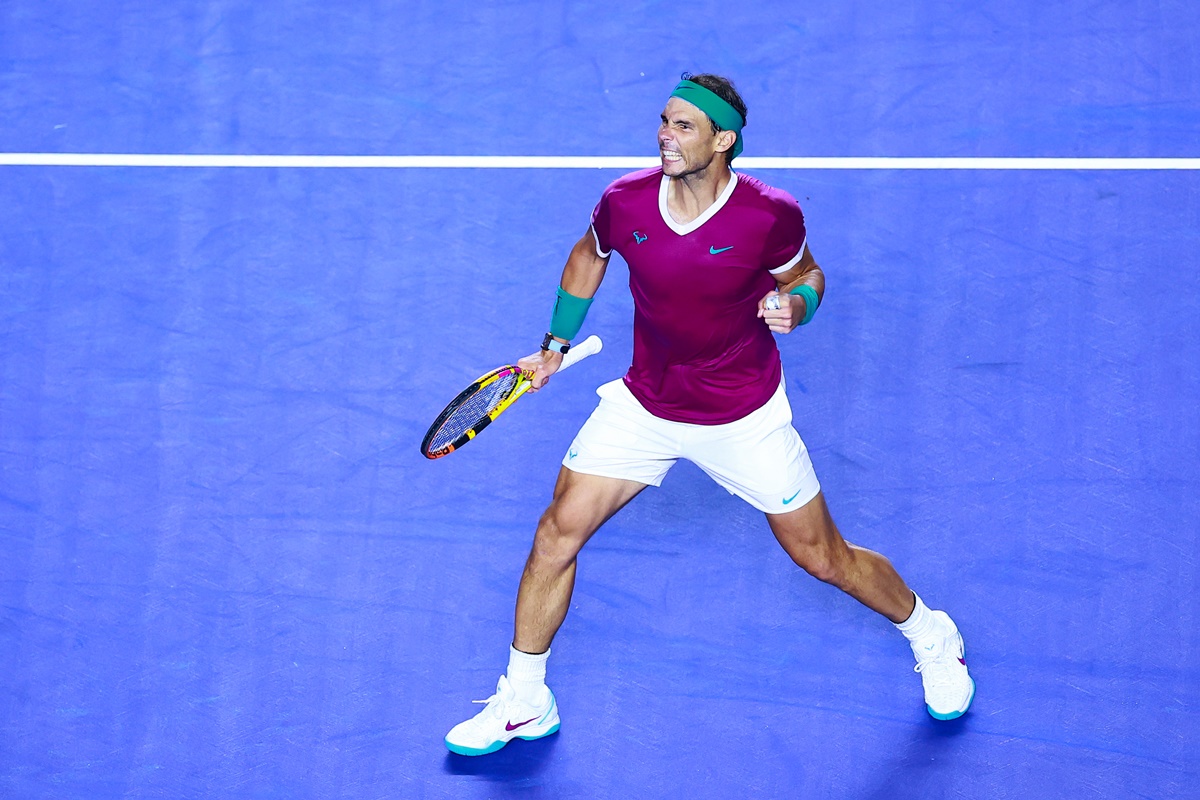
point(228, 572)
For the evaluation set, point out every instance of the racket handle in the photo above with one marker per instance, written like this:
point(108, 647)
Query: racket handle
point(588, 347)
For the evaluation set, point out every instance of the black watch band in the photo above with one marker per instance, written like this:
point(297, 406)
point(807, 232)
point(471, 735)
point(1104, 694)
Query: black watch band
point(550, 343)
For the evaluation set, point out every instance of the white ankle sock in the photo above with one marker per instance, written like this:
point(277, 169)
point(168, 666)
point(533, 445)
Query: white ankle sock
point(921, 624)
point(527, 673)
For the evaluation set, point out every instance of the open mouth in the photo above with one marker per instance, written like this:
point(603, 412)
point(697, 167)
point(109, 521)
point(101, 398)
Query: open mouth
point(672, 155)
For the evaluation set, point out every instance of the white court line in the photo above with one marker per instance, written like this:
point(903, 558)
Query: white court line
point(576, 162)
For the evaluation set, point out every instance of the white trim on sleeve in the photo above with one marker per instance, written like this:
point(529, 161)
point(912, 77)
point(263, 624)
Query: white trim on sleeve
point(596, 237)
point(794, 261)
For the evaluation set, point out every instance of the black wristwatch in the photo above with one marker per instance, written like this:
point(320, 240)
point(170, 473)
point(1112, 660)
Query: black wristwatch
point(550, 343)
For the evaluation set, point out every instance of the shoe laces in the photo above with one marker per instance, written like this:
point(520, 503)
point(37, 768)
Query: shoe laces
point(937, 668)
point(497, 703)
point(937, 672)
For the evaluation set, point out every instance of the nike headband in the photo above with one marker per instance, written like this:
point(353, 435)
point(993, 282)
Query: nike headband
point(719, 111)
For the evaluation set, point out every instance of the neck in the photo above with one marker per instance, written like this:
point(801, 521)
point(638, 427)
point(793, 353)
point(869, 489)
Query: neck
point(688, 196)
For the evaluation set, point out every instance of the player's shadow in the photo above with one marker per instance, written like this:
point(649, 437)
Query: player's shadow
point(517, 761)
point(915, 770)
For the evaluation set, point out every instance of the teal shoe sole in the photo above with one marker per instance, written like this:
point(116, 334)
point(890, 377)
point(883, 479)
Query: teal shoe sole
point(955, 714)
point(494, 746)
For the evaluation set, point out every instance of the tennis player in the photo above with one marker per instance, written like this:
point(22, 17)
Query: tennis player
point(718, 262)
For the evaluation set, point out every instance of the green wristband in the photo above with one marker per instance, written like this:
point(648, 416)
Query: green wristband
point(568, 315)
point(811, 301)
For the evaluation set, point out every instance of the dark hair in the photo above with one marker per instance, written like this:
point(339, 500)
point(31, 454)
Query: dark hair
point(724, 89)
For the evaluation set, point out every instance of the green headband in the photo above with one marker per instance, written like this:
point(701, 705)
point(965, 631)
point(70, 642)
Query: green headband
point(719, 111)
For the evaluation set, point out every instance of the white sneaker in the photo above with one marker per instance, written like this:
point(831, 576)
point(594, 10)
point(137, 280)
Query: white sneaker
point(949, 689)
point(504, 718)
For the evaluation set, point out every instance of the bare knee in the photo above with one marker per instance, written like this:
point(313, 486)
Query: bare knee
point(555, 544)
point(810, 537)
point(820, 561)
point(581, 504)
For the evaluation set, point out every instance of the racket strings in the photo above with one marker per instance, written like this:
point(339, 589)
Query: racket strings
point(472, 410)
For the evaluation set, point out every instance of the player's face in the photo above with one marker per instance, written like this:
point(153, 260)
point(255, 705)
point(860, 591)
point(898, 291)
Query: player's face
point(686, 141)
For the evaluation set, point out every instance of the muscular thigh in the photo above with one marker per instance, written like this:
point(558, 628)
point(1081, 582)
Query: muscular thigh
point(809, 527)
point(582, 503)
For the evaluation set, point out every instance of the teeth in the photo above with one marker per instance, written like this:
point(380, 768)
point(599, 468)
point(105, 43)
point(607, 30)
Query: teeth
point(671, 155)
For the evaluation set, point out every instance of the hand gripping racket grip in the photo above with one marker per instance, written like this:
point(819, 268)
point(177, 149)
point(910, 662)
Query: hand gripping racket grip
point(578, 352)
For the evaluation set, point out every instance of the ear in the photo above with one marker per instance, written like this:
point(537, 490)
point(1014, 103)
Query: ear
point(725, 141)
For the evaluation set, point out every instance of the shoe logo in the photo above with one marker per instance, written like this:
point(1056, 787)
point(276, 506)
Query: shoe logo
point(508, 726)
point(716, 250)
point(639, 237)
point(793, 497)
point(572, 453)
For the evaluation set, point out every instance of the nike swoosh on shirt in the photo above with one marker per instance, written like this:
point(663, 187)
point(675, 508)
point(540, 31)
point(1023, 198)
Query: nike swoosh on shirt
point(508, 726)
point(715, 250)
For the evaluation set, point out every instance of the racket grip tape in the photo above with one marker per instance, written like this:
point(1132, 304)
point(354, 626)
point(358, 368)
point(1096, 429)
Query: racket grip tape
point(588, 347)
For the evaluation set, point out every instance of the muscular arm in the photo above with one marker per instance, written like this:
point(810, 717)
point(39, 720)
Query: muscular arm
point(581, 277)
point(791, 309)
point(585, 268)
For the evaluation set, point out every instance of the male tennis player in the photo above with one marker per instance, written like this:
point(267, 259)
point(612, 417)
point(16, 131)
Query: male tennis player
point(718, 261)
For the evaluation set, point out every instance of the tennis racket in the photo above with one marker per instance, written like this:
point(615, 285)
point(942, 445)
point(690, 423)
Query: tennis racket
point(487, 398)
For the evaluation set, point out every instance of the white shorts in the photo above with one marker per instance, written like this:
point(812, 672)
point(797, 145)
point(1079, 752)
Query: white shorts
point(760, 457)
